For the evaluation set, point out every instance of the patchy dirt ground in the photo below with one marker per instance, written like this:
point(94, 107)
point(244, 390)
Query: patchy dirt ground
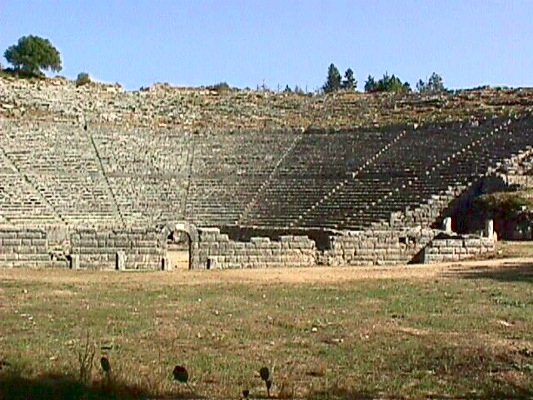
point(327, 275)
point(455, 330)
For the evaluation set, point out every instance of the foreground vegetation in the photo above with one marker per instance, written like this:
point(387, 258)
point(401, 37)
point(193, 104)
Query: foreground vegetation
point(413, 332)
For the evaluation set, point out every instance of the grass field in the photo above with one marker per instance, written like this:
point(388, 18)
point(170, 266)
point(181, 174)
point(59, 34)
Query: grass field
point(455, 331)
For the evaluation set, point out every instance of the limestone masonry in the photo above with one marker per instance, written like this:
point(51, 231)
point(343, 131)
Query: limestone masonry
point(98, 178)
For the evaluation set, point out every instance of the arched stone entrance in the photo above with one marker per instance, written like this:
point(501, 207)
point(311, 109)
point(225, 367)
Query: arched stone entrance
point(180, 228)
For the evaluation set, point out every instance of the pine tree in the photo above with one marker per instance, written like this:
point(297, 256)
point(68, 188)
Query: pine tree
point(370, 84)
point(333, 81)
point(349, 82)
point(421, 86)
point(435, 84)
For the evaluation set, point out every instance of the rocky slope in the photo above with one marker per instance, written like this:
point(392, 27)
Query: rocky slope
point(200, 109)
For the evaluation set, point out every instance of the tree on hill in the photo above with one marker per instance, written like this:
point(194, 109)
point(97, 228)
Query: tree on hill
point(333, 81)
point(433, 85)
point(370, 84)
point(32, 54)
point(349, 82)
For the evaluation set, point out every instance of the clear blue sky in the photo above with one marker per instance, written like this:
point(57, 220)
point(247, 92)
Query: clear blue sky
point(278, 42)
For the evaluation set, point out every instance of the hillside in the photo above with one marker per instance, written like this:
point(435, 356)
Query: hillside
point(201, 109)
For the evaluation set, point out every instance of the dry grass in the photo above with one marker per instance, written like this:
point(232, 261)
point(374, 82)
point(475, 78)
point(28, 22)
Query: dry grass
point(516, 249)
point(412, 332)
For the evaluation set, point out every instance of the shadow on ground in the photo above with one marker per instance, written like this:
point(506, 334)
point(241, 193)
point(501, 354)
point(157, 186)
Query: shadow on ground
point(59, 386)
point(516, 393)
point(508, 272)
point(55, 386)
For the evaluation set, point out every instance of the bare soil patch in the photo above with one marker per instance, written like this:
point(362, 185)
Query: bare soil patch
point(288, 275)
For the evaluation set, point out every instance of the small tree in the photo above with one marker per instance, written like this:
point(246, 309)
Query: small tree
point(370, 84)
point(333, 81)
point(433, 85)
point(349, 82)
point(421, 86)
point(31, 54)
point(298, 90)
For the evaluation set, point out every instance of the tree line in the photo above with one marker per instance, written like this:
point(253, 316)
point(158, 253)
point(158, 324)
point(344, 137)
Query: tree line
point(388, 83)
point(32, 54)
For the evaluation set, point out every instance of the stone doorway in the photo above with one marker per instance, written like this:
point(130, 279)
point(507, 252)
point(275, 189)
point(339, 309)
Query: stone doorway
point(179, 250)
point(181, 245)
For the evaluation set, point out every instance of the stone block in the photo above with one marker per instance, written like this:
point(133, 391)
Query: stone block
point(260, 240)
point(286, 238)
point(75, 261)
point(39, 242)
point(239, 245)
point(439, 243)
point(84, 242)
point(32, 234)
point(435, 258)
point(121, 260)
point(89, 250)
point(448, 242)
point(11, 242)
point(120, 243)
point(8, 235)
point(27, 250)
point(472, 242)
point(146, 243)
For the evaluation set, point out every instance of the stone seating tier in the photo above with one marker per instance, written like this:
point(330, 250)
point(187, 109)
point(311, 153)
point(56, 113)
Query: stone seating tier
point(61, 173)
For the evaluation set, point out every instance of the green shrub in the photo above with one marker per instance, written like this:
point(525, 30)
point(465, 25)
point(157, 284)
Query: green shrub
point(83, 79)
point(221, 87)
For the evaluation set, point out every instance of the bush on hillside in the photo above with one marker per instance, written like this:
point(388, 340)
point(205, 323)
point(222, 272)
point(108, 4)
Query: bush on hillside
point(83, 79)
point(221, 87)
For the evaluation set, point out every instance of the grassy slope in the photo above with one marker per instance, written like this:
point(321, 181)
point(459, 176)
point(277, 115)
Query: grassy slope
point(466, 332)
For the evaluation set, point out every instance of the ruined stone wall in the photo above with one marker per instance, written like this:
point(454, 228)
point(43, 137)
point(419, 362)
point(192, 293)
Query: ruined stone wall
point(371, 247)
point(24, 248)
point(377, 247)
point(217, 250)
point(454, 248)
point(135, 249)
point(428, 212)
point(128, 249)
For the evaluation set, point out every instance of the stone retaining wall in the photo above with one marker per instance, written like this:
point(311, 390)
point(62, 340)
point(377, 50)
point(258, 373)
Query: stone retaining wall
point(377, 247)
point(372, 247)
point(24, 248)
point(127, 249)
point(217, 250)
point(449, 247)
point(135, 249)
